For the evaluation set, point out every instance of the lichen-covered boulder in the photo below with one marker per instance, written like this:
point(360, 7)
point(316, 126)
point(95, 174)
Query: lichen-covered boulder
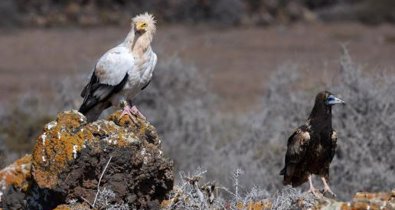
point(17, 175)
point(107, 162)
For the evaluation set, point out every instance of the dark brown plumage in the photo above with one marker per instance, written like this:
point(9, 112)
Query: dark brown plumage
point(312, 146)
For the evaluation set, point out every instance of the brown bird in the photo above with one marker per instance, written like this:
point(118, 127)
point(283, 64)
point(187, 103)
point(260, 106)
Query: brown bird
point(312, 146)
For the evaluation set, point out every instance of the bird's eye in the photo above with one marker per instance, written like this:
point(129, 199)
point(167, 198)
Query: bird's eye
point(330, 99)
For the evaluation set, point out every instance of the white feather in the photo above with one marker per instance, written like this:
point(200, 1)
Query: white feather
point(139, 76)
point(134, 57)
point(114, 64)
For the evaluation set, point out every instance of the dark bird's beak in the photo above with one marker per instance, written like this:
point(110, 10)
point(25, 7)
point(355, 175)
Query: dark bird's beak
point(332, 100)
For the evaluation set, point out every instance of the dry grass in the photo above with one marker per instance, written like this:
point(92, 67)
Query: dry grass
point(363, 160)
point(195, 134)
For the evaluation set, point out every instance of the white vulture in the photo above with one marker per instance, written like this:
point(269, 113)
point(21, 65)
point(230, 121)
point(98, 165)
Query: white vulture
point(122, 72)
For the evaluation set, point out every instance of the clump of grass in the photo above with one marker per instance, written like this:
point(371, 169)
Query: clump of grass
point(190, 194)
point(292, 198)
point(365, 130)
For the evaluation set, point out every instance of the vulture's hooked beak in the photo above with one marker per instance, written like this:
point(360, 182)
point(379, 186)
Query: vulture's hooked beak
point(140, 28)
point(332, 100)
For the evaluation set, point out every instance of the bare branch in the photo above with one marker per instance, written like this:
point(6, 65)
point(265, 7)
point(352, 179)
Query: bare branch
point(98, 184)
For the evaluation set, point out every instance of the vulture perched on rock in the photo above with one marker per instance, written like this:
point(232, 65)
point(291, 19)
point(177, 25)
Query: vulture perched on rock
point(310, 149)
point(122, 72)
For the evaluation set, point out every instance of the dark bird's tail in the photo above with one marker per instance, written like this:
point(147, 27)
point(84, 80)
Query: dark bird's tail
point(282, 172)
point(287, 179)
point(92, 110)
point(289, 176)
point(96, 97)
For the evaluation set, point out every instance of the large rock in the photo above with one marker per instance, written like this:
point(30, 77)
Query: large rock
point(104, 163)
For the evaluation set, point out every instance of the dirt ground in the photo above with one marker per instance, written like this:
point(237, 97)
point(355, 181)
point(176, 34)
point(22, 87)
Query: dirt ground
point(237, 60)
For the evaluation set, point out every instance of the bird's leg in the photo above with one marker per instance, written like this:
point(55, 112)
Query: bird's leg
point(137, 112)
point(127, 110)
point(312, 189)
point(327, 188)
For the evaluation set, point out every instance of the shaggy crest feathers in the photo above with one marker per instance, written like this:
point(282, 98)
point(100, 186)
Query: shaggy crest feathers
point(147, 18)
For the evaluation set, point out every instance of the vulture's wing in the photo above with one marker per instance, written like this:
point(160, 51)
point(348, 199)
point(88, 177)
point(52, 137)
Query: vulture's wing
point(296, 149)
point(152, 63)
point(146, 85)
point(109, 77)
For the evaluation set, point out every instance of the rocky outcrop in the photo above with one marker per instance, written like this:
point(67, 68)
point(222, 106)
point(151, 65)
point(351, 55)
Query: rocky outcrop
point(118, 164)
point(100, 164)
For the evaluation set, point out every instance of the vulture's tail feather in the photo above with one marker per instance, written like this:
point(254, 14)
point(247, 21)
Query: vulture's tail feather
point(92, 112)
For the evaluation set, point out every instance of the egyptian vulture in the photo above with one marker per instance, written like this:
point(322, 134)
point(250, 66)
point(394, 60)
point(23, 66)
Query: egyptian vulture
point(311, 147)
point(122, 72)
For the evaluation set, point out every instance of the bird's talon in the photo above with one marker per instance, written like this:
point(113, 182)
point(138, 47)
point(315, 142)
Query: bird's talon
point(328, 190)
point(313, 191)
point(137, 113)
point(129, 112)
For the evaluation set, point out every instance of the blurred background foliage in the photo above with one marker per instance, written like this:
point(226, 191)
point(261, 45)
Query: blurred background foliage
point(47, 13)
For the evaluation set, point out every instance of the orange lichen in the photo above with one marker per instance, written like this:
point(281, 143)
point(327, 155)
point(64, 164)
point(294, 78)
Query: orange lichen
point(372, 196)
point(259, 205)
point(72, 207)
point(71, 119)
point(125, 121)
point(63, 207)
point(55, 147)
point(373, 201)
point(60, 144)
point(166, 203)
point(62, 139)
point(138, 126)
point(17, 174)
